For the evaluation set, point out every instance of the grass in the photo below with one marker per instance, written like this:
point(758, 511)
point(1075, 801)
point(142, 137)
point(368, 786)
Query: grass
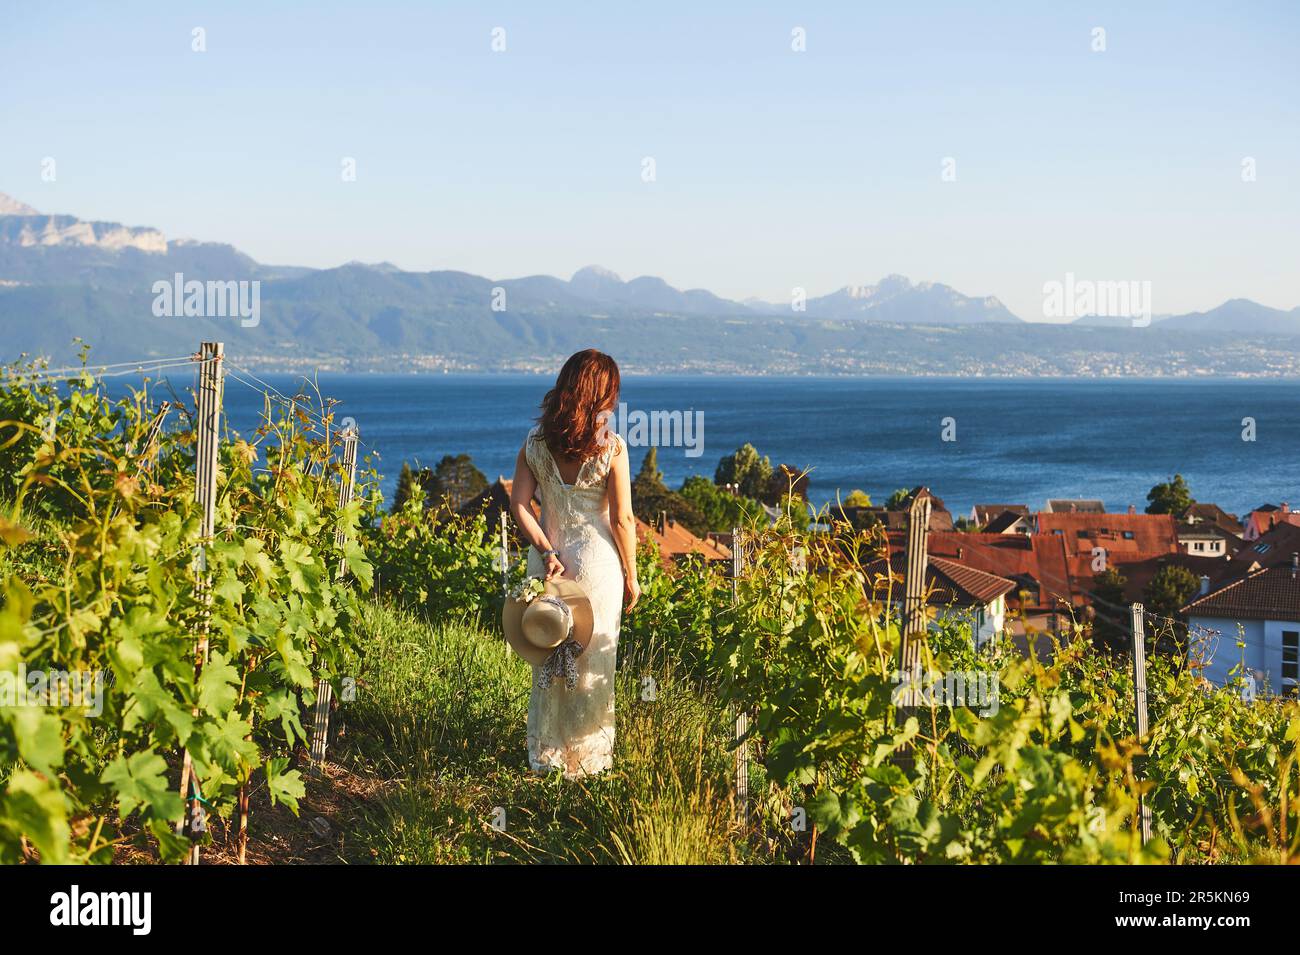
point(440, 715)
point(432, 766)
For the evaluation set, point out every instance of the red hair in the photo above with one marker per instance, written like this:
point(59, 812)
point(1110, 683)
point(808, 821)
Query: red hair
point(573, 412)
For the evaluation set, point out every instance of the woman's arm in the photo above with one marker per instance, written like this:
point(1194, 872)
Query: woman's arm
point(623, 523)
point(521, 509)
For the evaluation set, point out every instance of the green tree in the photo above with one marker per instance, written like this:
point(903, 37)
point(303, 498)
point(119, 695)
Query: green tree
point(406, 484)
point(649, 470)
point(745, 468)
point(1109, 627)
point(857, 498)
point(652, 498)
point(786, 482)
point(1170, 497)
point(1170, 588)
point(453, 483)
point(457, 481)
point(721, 511)
point(898, 500)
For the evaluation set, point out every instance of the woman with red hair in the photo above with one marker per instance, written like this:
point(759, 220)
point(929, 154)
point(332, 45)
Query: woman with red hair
point(578, 469)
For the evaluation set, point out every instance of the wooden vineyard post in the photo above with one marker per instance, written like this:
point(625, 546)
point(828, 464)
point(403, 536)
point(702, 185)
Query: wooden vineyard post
point(913, 619)
point(207, 424)
point(347, 479)
point(505, 553)
point(737, 563)
point(742, 717)
point(1140, 702)
point(324, 690)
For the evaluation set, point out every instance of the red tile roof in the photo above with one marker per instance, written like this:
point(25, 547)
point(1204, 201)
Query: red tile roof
point(1037, 563)
point(1272, 548)
point(1117, 533)
point(674, 540)
point(1138, 574)
point(1269, 593)
point(947, 583)
point(964, 570)
point(1261, 522)
point(1207, 513)
point(981, 586)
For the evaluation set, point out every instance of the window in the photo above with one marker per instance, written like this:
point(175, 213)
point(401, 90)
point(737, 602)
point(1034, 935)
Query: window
point(1262, 548)
point(1290, 662)
point(1128, 535)
point(1198, 546)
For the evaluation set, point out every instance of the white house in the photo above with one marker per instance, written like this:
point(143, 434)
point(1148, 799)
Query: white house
point(1253, 621)
point(955, 593)
point(968, 596)
point(1202, 539)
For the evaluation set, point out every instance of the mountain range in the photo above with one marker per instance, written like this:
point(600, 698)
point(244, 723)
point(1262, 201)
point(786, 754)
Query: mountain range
point(63, 278)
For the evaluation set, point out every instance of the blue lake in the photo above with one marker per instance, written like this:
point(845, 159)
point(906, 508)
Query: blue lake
point(1015, 441)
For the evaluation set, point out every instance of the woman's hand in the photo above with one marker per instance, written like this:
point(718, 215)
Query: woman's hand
point(631, 593)
point(553, 566)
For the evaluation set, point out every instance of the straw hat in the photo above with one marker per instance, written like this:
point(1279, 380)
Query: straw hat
point(536, 623)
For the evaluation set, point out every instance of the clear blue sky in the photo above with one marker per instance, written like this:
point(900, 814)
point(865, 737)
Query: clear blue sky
point(775, 169)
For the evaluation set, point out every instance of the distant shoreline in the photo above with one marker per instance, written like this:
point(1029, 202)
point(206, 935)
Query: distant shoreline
point(633, 372)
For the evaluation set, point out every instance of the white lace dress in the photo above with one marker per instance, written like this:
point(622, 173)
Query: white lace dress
point(573, 730)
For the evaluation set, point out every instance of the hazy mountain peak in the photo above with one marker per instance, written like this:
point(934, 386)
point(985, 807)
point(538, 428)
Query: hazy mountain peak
point(897, 299)
point(9, 206)
point(597, 272)
point(1239, 315)
point(891, 284)
point(385, 267)
point(895, 282)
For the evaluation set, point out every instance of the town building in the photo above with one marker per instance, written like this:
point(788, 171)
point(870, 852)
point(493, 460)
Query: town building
point(982, 514)
point(1249, 628)
point(864, 518)
point(1265, 517)
point(1118, 535)
point(1203, 540)
point(1206, 513)
point(674, 541)
point(1075, 506)
point(1010, 522)
point(956, 593)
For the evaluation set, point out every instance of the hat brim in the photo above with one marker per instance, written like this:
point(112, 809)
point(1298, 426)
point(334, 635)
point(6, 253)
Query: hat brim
point(573, 594)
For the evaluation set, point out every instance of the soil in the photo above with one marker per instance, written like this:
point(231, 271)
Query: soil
point(315, 836)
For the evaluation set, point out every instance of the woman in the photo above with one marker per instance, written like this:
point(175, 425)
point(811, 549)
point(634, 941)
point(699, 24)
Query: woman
point(579, 471)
